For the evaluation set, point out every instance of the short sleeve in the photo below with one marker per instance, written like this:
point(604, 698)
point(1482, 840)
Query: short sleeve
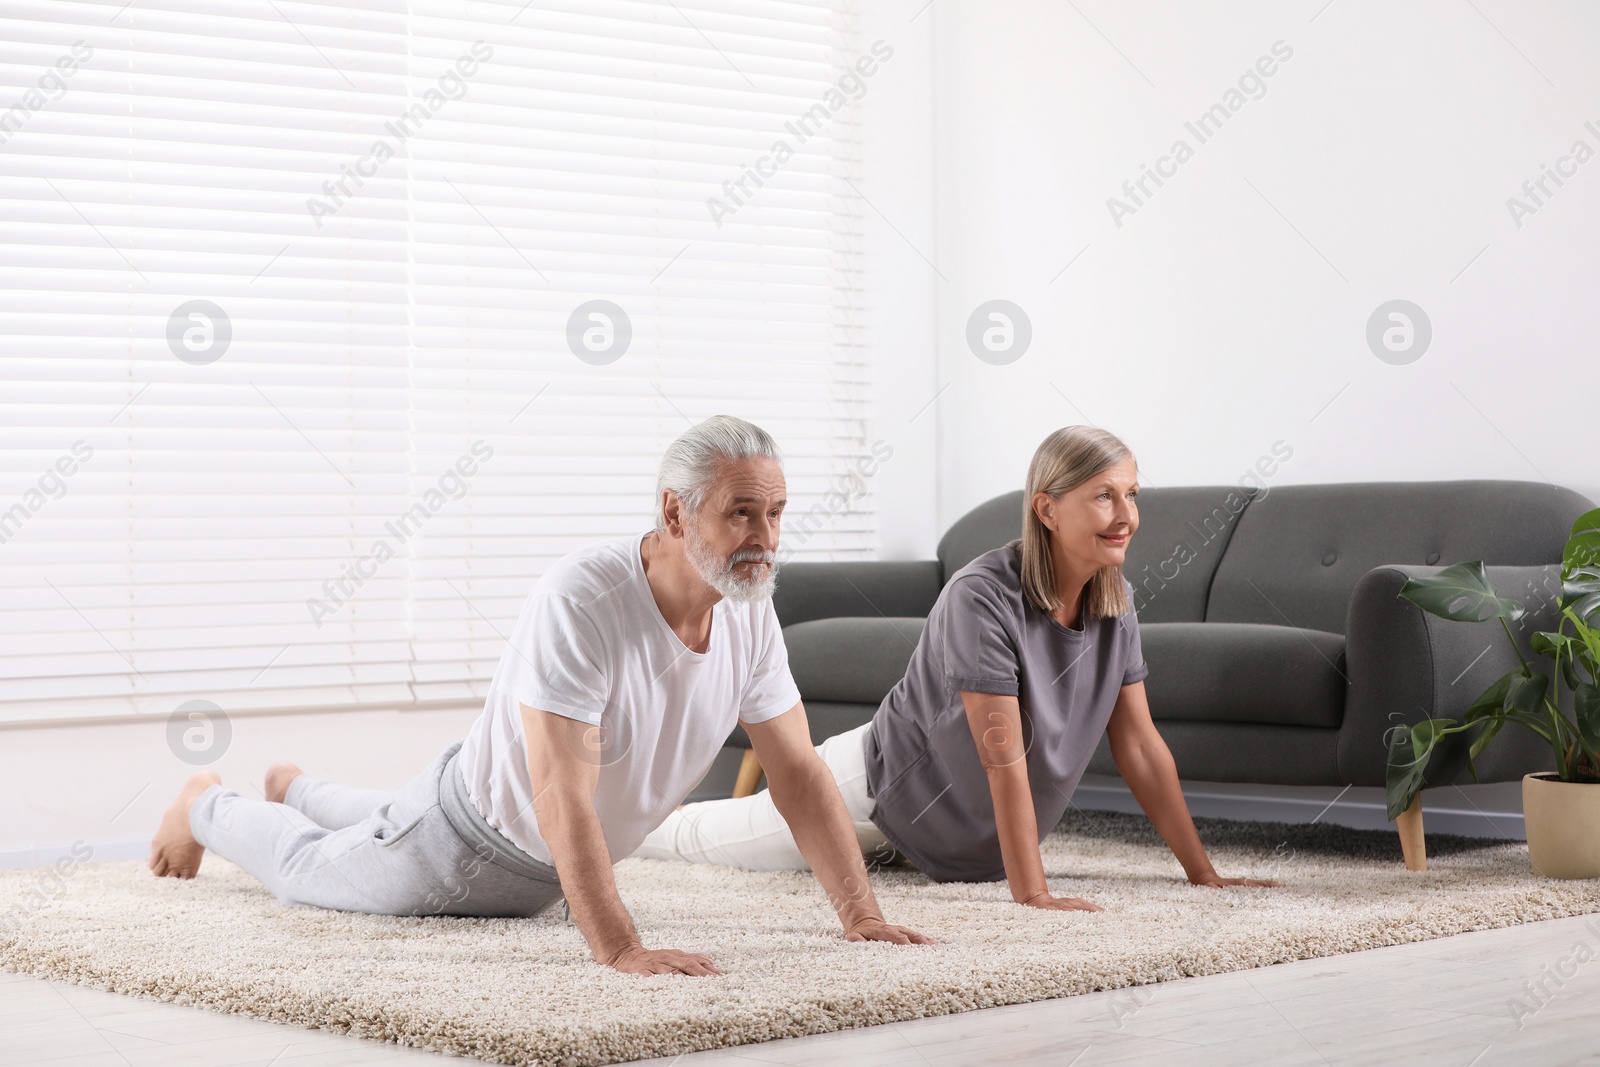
point(1134, 667)
point(556, 659)
point(771, 690)
point(976, 638)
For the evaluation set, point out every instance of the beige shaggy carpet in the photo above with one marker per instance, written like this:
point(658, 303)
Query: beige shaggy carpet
point(526, 991)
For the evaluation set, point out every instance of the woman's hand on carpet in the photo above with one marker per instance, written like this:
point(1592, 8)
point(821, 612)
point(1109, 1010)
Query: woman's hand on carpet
point(1216, 881)
point(641, 960)
point(1044, 900)
point(878, 930)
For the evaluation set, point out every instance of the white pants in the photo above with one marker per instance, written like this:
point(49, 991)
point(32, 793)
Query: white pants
point(748, 832)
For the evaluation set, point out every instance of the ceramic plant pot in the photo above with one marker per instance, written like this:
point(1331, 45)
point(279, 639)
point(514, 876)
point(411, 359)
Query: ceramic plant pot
point(1562, 820)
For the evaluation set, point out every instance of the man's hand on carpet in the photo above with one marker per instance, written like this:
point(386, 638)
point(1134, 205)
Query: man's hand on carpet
point(878, 930)
point(1050, 903)
point(641, 960)
point(1216, 881)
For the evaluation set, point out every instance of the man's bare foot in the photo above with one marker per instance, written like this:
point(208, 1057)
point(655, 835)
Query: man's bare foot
point(174, 853)
point(279, 775)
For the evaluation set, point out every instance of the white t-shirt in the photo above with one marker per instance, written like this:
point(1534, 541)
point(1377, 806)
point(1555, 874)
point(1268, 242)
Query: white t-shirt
point(591, 644)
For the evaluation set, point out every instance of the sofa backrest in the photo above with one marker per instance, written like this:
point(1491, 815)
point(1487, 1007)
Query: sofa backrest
point(987, 526)
point(1298, 550)
point(810, 590)
point(1182, 534)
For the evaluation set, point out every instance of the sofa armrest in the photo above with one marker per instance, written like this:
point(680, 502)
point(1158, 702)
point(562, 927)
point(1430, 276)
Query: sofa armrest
point(808, 590)
point(1405, 665)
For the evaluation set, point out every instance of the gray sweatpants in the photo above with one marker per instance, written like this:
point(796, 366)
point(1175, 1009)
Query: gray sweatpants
point(424, 850)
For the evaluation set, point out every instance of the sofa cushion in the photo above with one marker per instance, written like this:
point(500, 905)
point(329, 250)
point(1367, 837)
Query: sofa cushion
point(1244, 672)
point(1182, 534)
point(1217, 672)
point(851, 660)
point(1298, 550)
point(1243, 752)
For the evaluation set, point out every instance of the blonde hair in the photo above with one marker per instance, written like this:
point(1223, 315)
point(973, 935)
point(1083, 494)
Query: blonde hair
point(1063, 461)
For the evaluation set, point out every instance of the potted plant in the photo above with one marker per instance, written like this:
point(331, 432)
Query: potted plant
point(1561, 811)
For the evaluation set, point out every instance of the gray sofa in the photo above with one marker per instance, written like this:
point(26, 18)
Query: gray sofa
point(1279, 650)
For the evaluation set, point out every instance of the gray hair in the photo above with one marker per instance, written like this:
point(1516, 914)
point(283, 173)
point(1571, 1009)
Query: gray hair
point(690, 463)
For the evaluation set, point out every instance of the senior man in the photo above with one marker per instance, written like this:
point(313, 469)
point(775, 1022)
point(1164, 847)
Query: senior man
point(628, 666)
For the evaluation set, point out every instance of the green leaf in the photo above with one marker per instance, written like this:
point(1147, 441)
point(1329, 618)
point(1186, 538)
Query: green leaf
point(1526, 691)
point(1492, 701)
point(1583, 544)
point(1546, 643)
point(1586, 702)
point(1563, 648)
point(1479, 743)
point(1462, 593)
point(1425, 735)
point(1516, 690)
point(1409, 749)
point(1582, 595)
point(1580, 578)
point(1588, 634)
point(1580, 585)
point(1403, 786)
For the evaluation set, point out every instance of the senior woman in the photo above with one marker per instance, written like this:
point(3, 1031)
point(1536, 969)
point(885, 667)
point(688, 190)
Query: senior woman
point(1030, 652)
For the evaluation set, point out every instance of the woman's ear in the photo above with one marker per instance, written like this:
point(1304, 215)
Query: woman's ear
point(1045, 509)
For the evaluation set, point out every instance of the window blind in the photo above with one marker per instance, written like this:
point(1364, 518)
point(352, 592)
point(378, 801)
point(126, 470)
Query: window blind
point(328, 326)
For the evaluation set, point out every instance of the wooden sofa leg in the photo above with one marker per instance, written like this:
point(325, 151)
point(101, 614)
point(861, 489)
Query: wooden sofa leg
point(1412, 842)
point(750, 775)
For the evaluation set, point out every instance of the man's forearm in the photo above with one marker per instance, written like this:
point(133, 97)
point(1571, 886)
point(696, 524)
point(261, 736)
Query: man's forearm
point(1152, 777)
point(578, 848)
point(822, 829)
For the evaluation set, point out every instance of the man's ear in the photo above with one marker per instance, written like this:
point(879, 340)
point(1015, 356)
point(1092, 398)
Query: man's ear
point(672, 516)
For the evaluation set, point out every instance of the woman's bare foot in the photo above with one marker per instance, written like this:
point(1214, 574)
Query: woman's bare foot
point(174, 853)
point(279, 775)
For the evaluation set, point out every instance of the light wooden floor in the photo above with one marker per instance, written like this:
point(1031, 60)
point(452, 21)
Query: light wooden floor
point(1437, 1002)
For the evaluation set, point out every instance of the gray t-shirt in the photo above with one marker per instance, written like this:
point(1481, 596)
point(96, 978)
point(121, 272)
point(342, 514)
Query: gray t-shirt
point(983, 636)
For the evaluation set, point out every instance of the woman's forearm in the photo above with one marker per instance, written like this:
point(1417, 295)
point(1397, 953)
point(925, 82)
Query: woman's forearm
point(1018, 828)
point(1152, 776)
point(996, 724)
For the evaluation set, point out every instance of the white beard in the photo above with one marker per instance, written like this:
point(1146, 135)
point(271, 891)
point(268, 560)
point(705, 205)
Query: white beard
point(719, 574)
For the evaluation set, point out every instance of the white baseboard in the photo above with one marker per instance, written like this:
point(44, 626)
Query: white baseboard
point(116, 848)
point(1449, 810)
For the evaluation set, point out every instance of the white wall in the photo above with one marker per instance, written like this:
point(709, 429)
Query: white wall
point(1206, 328)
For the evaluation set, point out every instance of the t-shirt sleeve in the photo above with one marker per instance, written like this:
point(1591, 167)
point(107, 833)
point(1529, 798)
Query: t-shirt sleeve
point(556, 659)
point(1134, 667)
point(976, 638)
point(771, 690)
